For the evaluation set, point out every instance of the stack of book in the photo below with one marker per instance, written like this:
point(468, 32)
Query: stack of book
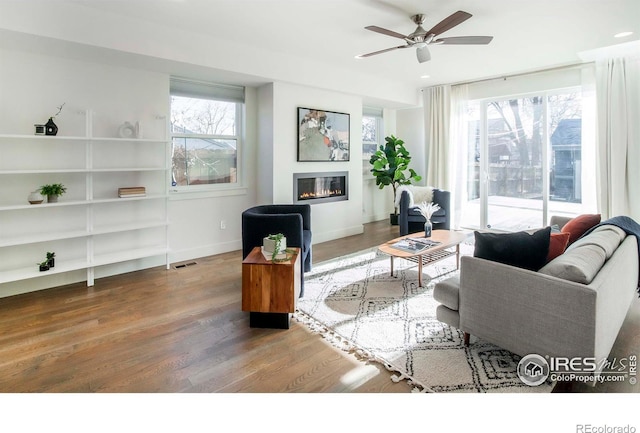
point(134, 191)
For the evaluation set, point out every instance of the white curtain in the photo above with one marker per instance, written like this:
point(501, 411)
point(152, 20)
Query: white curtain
point(437, 115)
point(618, 158)
point(458, 134)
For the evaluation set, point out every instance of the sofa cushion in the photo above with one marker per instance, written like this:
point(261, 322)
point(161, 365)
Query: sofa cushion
point(557, 244)
point(521, 249)
point(608, 240)
point(579, 226)
point(580, 264)
point(611, 228)
point(447, 292)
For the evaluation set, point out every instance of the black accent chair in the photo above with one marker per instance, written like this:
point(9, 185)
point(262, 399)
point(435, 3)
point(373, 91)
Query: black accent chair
point(292, 220)
point(411, 220)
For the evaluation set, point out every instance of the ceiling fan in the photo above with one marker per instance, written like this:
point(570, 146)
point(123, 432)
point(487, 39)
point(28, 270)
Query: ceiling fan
point(421, 38)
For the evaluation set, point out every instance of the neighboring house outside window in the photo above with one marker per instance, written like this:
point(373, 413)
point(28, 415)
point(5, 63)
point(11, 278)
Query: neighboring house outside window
point(206, 125)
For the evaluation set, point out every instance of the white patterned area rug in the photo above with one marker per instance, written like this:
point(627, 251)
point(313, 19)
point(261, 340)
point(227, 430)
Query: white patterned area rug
point(355, 303)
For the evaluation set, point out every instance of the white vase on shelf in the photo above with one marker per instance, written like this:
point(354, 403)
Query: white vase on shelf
point(35, 197)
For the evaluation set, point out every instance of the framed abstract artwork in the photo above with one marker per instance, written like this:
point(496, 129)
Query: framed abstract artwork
point(322, 135)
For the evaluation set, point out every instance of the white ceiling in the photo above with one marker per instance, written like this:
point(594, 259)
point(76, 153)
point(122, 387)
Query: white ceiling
point(528, 34)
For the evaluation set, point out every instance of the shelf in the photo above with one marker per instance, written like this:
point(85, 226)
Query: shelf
point(92, 168)
point(81, 202)
point(82, 170)
point(46, 237)
point(33, 272)
point(49, 237)
point(111, 258)
point(23, 137)
point(124, 169)
point(44, 205)
point(128, 227)
point(49, 171)
point(123, 199)
point(76, 265)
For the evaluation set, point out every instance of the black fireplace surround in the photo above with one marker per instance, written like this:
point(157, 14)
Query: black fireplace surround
point(322, 187)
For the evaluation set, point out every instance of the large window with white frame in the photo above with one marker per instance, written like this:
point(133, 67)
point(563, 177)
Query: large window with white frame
point(525, 160)
point(206, 125)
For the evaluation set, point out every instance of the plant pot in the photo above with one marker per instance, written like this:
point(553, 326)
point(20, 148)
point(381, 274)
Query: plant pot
point(393, 219)
point(43, 268)
point(269, 245)
point(51, 263)
point(53, 198)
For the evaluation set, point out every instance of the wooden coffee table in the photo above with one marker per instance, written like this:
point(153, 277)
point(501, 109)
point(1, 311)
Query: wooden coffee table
point(449, 245)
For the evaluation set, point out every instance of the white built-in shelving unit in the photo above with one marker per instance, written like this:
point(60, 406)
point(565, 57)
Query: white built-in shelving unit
point(90, 226)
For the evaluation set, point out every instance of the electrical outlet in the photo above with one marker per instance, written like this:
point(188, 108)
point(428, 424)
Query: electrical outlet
point(223, 225)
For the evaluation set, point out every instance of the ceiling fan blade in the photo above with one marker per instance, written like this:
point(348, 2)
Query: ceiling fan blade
point(450, 22)
point(385, 32)
point(423, 54)
point(464, 40)
point(380, 52)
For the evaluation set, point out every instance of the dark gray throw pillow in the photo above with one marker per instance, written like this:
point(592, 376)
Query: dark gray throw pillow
point(521, 249)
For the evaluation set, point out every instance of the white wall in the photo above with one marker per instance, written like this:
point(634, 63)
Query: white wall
point(197, 218)
point(329, 220)
point(147, 43)
point(410, 127)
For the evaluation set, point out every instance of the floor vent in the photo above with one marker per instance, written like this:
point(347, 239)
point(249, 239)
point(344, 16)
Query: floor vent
point(184, 265)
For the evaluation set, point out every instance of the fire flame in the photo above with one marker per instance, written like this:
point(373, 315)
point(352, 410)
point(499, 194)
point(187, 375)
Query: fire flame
point(320, 194)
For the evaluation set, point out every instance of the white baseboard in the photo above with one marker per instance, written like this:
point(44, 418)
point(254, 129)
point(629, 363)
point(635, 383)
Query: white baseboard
point(376, 217)
point(204, 251)
point(337, 234)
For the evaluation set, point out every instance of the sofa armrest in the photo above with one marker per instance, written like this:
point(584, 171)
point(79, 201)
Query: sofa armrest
point(524, 311)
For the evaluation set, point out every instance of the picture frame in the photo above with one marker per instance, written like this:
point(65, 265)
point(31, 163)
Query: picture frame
point(323, 135)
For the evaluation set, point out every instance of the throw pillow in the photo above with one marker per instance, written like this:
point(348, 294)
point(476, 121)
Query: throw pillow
point(521, 249)
point(579, 225)
point(557, 244)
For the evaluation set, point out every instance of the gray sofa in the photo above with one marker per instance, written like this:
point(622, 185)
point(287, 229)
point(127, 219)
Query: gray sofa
point(572, 307)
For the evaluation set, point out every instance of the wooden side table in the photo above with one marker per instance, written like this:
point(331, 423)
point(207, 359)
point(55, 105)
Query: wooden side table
point(270, 290)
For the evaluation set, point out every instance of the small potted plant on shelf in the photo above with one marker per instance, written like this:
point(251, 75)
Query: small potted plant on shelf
point(44, 266)
point(51, 259)
point(53, 191)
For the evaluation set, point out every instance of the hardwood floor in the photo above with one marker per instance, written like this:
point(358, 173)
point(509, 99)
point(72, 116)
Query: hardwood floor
point(182, 330)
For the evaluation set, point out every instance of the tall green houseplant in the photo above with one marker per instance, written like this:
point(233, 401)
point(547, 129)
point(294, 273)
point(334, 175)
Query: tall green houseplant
point(390, 165)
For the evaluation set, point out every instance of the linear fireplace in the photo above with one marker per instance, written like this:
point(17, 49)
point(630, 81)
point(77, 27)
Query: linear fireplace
point(324, 187)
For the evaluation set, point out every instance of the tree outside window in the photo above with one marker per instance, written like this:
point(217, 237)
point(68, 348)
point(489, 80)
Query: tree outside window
point(205, 141)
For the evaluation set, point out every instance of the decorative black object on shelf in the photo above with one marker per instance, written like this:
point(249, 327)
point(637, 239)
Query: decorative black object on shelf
point(51, 128)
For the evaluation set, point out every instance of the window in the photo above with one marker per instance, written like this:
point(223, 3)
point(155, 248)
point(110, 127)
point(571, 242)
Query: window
point(206, 122)
point(530, 148)
point(371, 131)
